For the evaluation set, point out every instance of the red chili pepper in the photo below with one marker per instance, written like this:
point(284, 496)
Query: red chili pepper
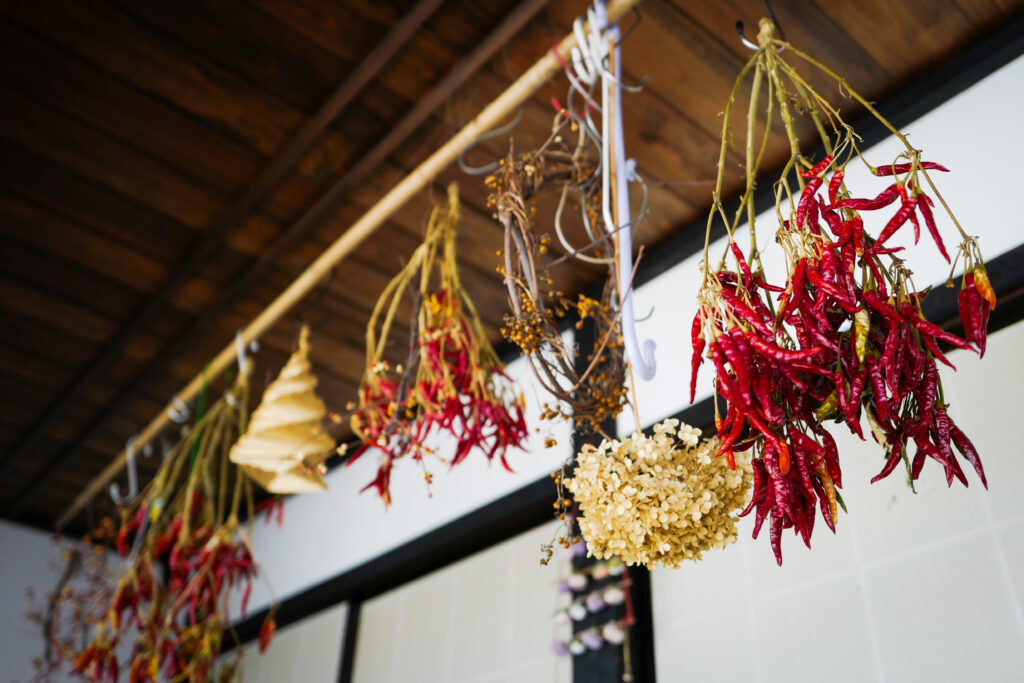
point(896, 169)
point(878, 388)
point(884, 199)
point(267, 632)
point(834, 222)
point(758, 492)
point(818, 167)
point(974, 313)
point(742, 262)
point(834, 184)
point(896, 222)
point(776, 353)
point(931, 329)
point(984, 286)
point(964, 445)
point(876, 302)
point(895, 455)
point(823, 504)
point(806, 200)
point(697, 337)
point(775, 535)
point(840, 297)
point(744, 311)
point(929, 220)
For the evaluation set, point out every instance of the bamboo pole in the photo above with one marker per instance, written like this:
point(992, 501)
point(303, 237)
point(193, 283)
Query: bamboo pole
point(492, 115)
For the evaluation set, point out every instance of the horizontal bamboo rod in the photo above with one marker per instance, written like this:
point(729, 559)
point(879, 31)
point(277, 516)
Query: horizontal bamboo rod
point(493, 114)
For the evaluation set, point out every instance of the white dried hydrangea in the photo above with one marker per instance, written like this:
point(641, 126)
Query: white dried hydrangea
point(658, 500)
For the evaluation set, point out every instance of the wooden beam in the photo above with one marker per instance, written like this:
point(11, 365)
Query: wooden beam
point(420, 177)
point(251, 198)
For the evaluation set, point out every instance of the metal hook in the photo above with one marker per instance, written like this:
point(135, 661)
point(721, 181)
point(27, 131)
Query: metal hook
point(488, 168)
point(133, 473)
point(178, 411)
point(614, 156)
point(240, 350)
point(754, 46)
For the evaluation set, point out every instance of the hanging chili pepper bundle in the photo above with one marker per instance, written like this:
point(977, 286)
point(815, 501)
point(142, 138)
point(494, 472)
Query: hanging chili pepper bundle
point(451, 382)
point(598, 393)
point(844, 336)
point(186, 550)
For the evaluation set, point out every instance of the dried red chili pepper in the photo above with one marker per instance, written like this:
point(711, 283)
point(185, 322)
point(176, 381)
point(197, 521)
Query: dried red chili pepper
point(896, 169)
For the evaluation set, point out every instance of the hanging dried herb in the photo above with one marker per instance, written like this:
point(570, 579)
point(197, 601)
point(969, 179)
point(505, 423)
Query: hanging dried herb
point(598, 393)
point(185, 550)
point(844, 336)
point(451, 382)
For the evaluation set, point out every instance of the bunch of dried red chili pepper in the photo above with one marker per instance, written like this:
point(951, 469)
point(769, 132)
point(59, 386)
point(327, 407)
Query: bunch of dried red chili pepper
point(844, 337)
point(451, 382)
point(598, 393)
point(185, 551)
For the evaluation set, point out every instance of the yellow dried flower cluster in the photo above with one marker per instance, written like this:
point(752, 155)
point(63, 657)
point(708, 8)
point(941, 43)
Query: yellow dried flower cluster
point(658, 500)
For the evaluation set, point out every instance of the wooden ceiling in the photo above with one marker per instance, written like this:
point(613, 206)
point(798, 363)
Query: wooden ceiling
point(160, 160)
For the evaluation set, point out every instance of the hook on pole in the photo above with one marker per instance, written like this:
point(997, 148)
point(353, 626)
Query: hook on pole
point(133, 473)
point(596, 51)
point(778, 27)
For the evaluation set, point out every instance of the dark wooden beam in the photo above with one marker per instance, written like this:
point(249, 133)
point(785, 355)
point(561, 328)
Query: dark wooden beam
point(254, 195)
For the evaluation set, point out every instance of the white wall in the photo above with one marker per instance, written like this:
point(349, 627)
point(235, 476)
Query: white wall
point(27, 558)
point(485, 619)
point(926, 587)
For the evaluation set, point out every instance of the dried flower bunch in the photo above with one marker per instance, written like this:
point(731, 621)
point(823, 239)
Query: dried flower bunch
point(186, 550)
point(844, 336)
point(452, 381)
point(660, 499)
point(597, 394)
point(285, 445)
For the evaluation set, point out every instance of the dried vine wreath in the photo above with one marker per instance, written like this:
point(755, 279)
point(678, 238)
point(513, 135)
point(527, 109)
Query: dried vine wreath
point(598, 393)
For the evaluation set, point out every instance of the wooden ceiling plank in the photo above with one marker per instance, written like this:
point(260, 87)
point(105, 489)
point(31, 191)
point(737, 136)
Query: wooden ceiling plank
point(111, 214)
point(988, 14)
point(247, 56)
point(200, 253)
point(805, 25)
point(116, 43)
point(75, 87)
point(66, 142)
point(26, 222)
point(104, 37)
point(71, 319)
point(892, 32)
point(329, 25)
point(59, 277)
